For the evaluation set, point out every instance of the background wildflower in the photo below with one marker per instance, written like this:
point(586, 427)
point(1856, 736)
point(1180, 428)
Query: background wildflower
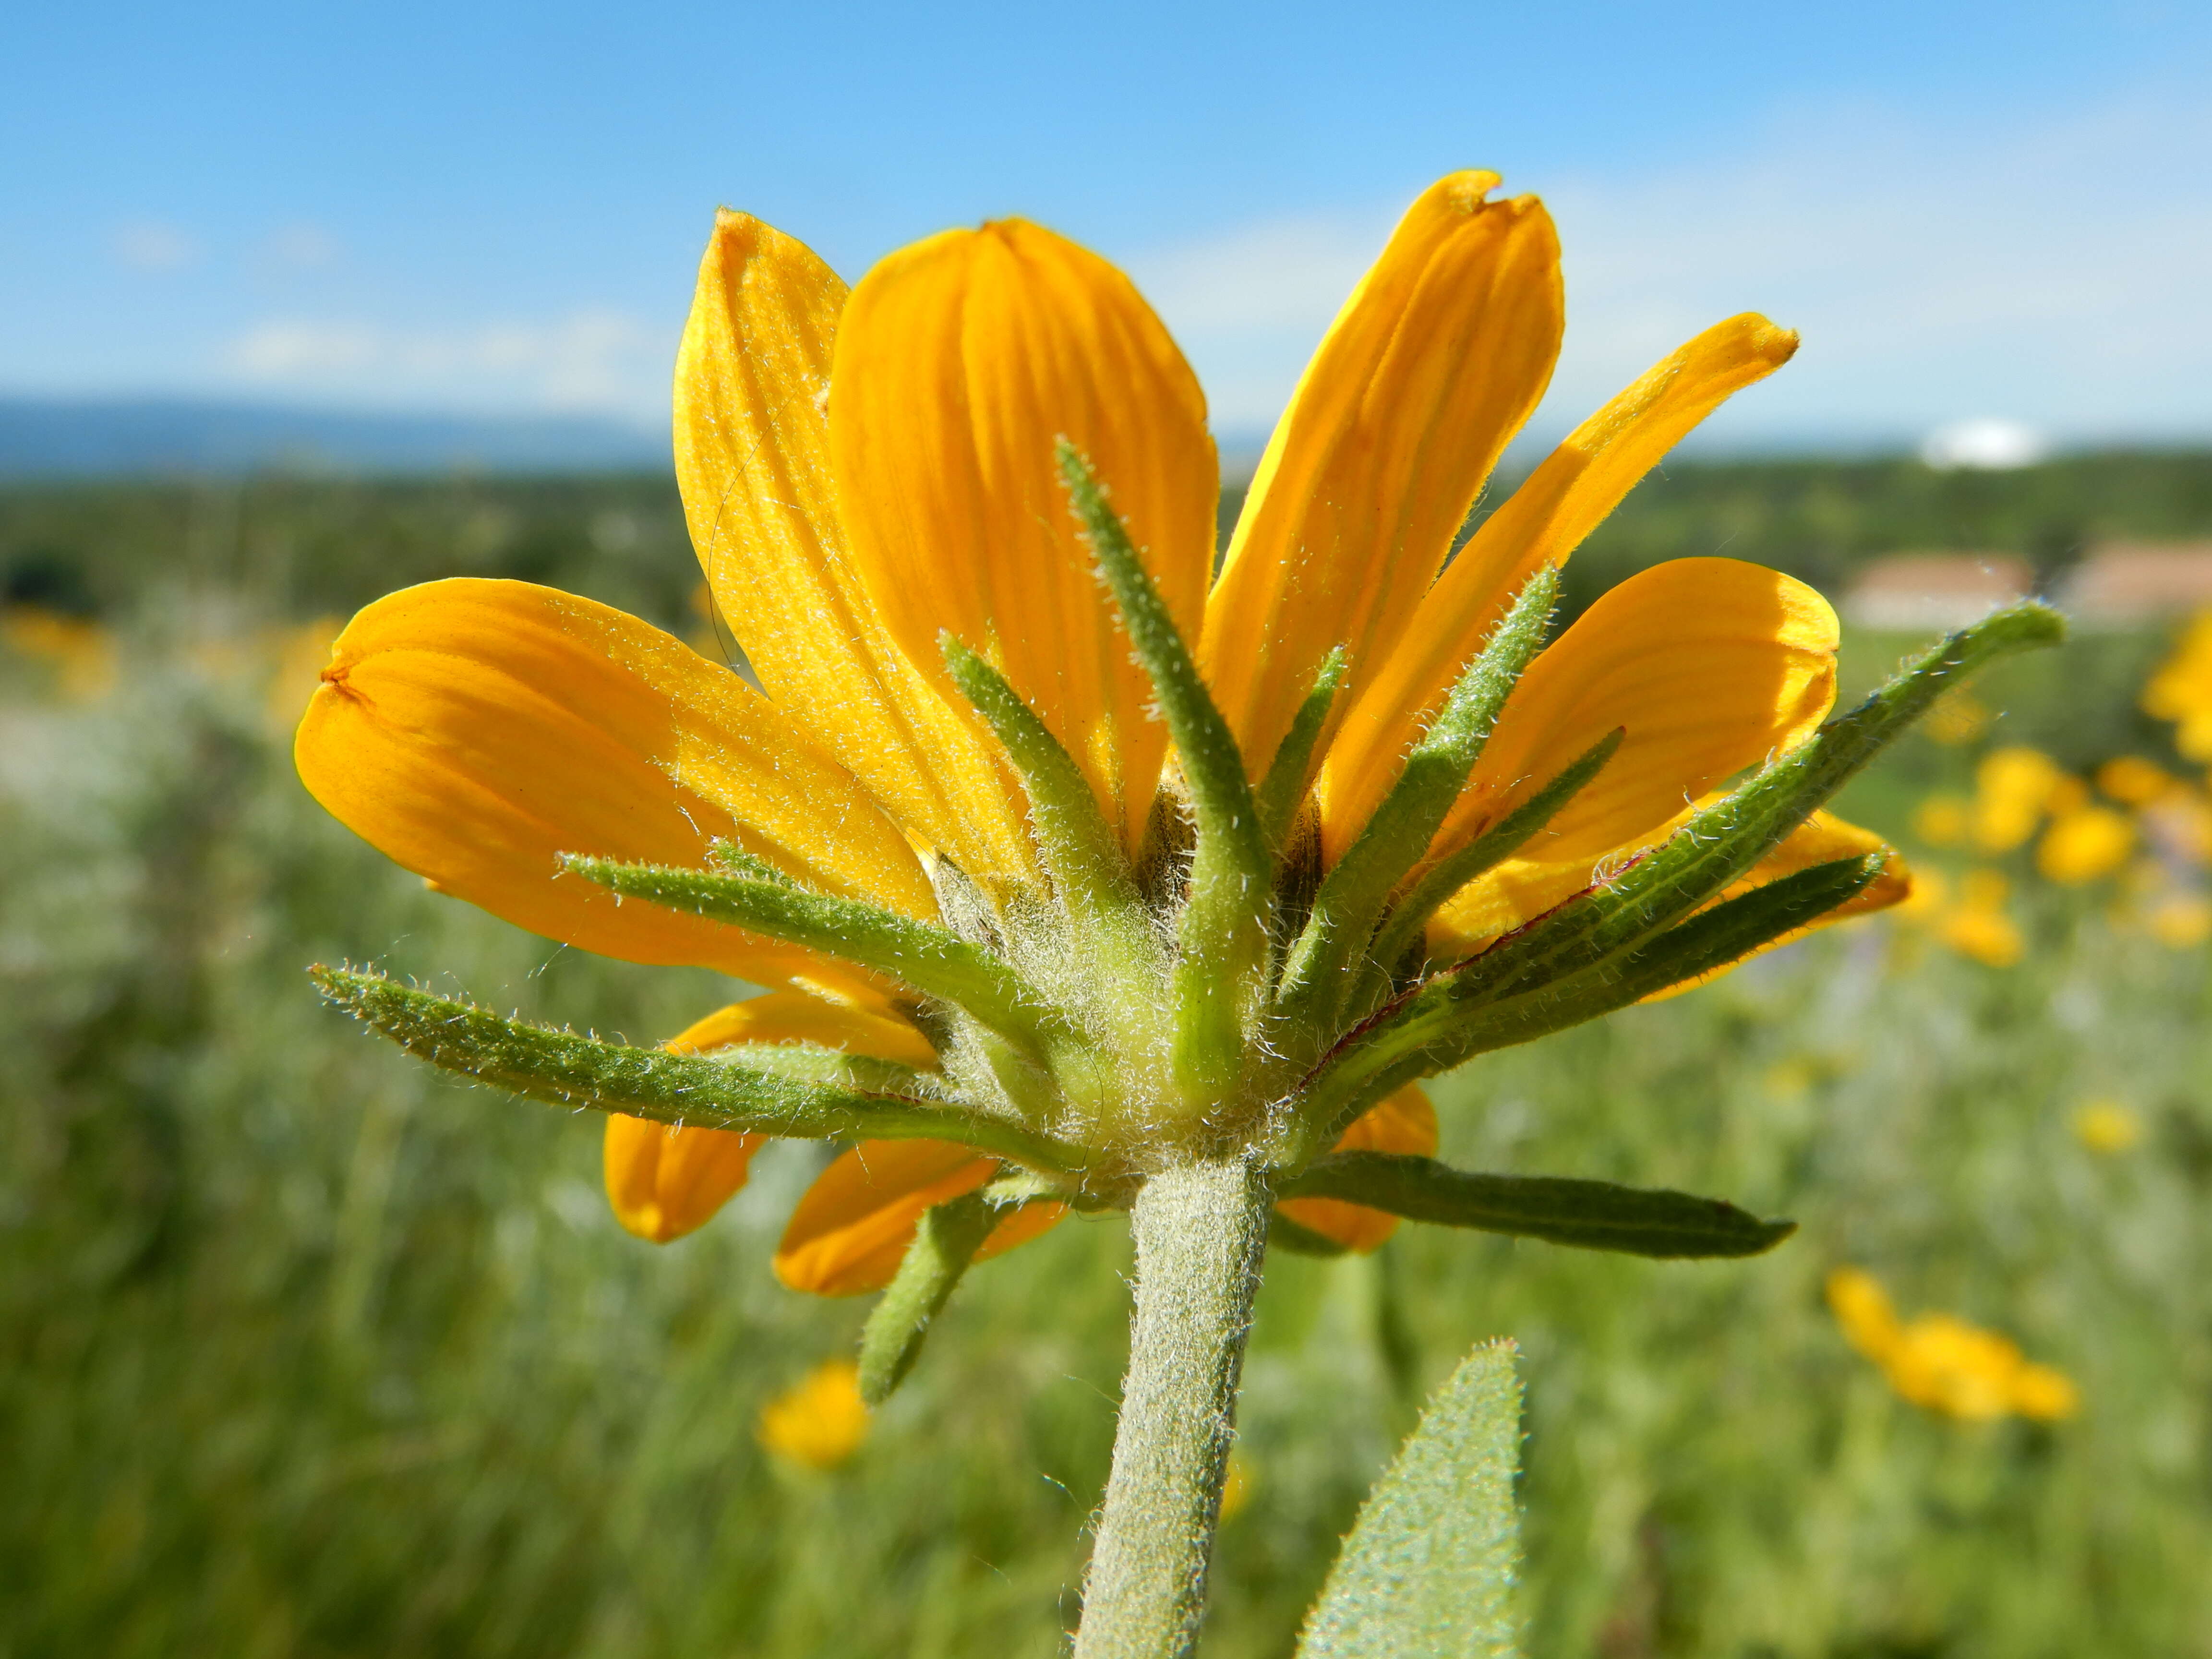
point(2107, 1126)
point(1943, 1363)
point(820, 1420)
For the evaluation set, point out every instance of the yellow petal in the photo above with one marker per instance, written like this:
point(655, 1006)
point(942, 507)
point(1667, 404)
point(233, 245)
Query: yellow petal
point(752, 458)
point(868, 1025)
point(1708, 665)
point(1436, 359)
point(851, 1229)
point(849, 1232)
point(1031, 1220)
point(960, 363)
point(472, 729)
point(664, 1180)
point(1541, 523)
point(1403, 1121)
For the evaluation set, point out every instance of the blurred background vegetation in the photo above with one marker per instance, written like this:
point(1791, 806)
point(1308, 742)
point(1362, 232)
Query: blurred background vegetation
point(308, 1350)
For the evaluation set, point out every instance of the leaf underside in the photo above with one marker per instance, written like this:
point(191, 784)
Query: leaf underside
point(1429, 1569)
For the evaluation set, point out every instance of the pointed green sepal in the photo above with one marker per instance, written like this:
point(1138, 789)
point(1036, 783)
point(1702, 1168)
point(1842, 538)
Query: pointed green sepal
point(944, 1244)
point(570, 1069)
point(1410, 914)
point(731, 859)
point(1078, 846)
point(1721, 843)
point(934, 962)
point(1396, 837)
point(1447, 1020)
point(1284, 789)
point(1430, 1565)
point(1591, 1215)
point(1223, 935)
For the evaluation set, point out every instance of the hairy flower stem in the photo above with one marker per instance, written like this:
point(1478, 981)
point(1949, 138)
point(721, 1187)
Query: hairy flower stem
point(1201, 1230)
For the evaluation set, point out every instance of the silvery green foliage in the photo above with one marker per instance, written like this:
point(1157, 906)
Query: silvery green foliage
point(1429, 1569)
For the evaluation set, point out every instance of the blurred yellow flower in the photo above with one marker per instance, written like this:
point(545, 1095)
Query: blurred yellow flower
point(2181, 690)
point(1957, 717)
point(2084, 844)
point(1978, 925)
point(2180, 920)
point(81, 651)
point(2106, 1126)
point(1943, 820)
point(820, 1420)
point(1926, 900)
point(2134, 782)
point(2012, 787)
point(1944, 1364)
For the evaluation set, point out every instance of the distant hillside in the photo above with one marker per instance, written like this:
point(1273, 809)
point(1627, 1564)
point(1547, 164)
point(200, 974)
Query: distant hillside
point(43, 437)
point(303, 544)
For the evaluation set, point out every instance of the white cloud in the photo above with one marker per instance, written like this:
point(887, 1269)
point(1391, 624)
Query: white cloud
point(152, 245)
point(2052, 274)
point(301, 247)
point(597, 361)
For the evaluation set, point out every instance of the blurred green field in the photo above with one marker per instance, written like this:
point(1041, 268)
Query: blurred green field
point(308, 1350)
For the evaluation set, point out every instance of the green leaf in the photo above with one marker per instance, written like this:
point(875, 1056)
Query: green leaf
point(1397, 836)
point(1079, 847)
point(573, 1069)
point(944, 1244)
point(934, 962)
point(1429, 1569)
point(1223, 934)
point(1591, 1215)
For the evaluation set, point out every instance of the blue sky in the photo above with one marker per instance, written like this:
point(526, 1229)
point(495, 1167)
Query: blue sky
point(1970, 209)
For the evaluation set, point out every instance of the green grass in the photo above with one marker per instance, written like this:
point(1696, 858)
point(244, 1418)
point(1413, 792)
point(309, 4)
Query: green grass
point(306, 1350)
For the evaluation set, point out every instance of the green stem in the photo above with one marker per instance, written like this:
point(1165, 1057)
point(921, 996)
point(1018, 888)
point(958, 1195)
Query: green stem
point(1201, 1230)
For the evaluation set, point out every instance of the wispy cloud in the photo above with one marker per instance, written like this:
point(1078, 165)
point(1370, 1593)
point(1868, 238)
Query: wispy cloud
point(153, 245)
point(2053, 274)
point(302, 246)
point(593, 361)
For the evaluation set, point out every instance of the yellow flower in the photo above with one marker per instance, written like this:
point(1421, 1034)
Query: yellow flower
point(820, 1420)
point(2106, 1126)
point(81, 651)
point(2134, 782)
point(1943, 820)
point(1944, 1364)
point(2011, 788)
point(2180, 921)
point(2084, 844)
point(873, 488)
point(2181, 690)
point(1975, 924)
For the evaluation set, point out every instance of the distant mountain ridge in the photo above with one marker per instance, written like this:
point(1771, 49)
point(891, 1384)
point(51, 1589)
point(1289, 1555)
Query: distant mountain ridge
point(85, 438)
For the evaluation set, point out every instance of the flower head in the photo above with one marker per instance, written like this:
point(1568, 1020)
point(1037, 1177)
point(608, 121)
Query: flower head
point(1941, 1362)
point(820, 1420)
point(1062, 857)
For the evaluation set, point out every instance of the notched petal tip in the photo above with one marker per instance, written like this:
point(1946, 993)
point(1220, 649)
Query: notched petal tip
point(1468, 190)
